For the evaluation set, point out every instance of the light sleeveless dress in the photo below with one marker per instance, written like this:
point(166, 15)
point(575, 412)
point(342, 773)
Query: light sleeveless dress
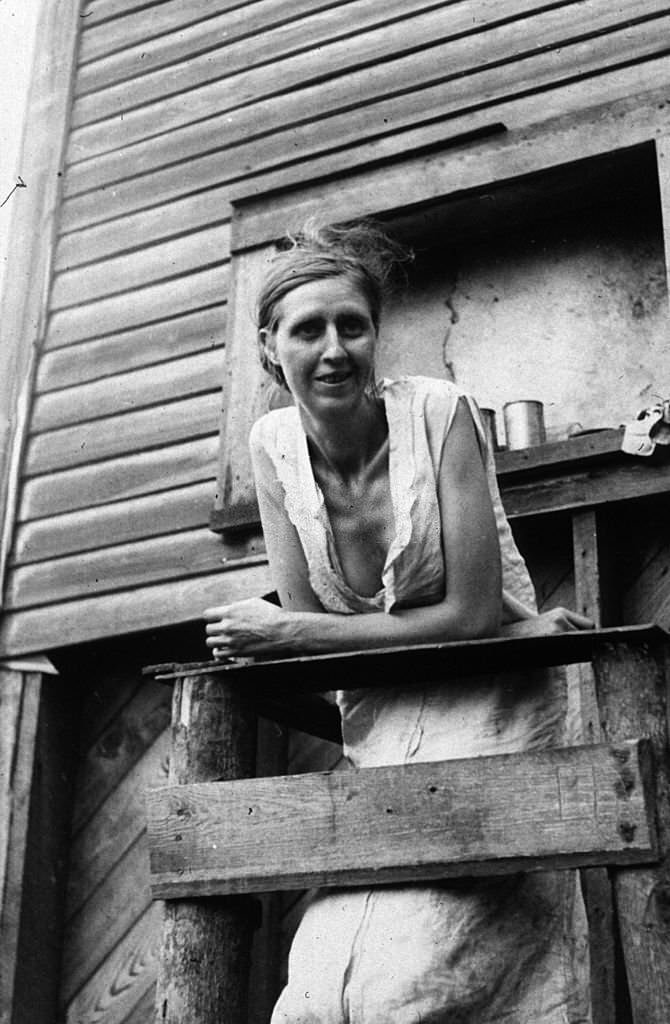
point(511, 950)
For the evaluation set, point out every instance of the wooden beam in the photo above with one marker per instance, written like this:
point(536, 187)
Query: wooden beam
point(414, 664)
point(632, 684)
point(206, 951)
point(663, 167)
point(483, 816)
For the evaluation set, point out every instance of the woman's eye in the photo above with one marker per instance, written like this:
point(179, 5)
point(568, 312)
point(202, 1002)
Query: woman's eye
point(352, 327)
point(309, 330)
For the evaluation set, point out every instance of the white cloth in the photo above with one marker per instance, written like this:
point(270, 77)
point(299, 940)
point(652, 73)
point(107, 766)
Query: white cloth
point(511, 951)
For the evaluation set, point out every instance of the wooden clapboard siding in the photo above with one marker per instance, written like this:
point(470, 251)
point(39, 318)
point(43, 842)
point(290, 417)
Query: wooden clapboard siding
point(123, 392)
point(123, 566)
point(219, 47)
point(120, 479)
point(177, 510)
point(366, 68)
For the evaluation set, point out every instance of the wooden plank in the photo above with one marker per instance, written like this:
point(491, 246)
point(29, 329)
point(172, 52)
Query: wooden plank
point(578, 449)
point(373, 668)
point(154, 343)
point(184, 508)
point(127, 433)
point(125, 392)
point(147, 607)
point(632, 685)
point(485, 816)
point(663, 167)
point(120, 479)
point(630, 478)
point(248, 105)
point(114, 907)
point(427, 127)
point(146, 23)
point(579, 134)
point(116, 825)
point(83, 245)
point(155, 302)
point(19, 703)
point(189, 60)
point(31, 233)
point(124, 983)
point(162, 261)
point(171, 556)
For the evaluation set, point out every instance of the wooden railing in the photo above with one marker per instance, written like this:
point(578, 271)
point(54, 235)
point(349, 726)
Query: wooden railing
point(217, 834)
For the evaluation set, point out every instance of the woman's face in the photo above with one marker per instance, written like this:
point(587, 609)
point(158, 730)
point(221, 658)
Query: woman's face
point(324, 340)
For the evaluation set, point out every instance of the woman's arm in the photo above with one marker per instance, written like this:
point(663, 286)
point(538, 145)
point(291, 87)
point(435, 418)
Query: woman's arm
point(471, 604)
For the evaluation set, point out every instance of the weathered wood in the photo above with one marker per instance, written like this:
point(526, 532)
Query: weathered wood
point(184, 508)
point(154, 302)
point(419, 662)
point(184, 254)
point(663, 167)
point(367, 64)
point(484, 816)
point(166, 604)
point(123, 478)
point(19, 711)
point(632, 696)
point(579, 450)
point(129, 432)
point(213, 737)
point(182, 61)
point(122, 982)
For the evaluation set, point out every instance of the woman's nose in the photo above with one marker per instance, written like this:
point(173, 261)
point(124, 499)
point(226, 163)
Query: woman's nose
point(334, 349)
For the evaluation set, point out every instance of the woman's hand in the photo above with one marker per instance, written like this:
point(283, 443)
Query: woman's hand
point(556, 620)
point(245, 628)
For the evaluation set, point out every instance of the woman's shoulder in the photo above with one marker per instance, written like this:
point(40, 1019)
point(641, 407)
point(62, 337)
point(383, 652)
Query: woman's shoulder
point(273, 427)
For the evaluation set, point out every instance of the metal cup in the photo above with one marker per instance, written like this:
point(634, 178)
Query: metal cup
point(524, 423)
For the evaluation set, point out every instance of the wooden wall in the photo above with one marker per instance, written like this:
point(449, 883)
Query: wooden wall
point(179, 108)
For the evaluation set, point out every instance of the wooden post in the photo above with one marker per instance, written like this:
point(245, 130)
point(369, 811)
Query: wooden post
point(206, 954)
point(632, 697)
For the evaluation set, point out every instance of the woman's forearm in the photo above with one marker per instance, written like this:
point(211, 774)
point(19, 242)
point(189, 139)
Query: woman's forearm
point(323, 632)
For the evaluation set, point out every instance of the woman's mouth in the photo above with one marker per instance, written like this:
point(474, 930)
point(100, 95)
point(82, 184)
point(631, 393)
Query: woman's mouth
point(336, 377)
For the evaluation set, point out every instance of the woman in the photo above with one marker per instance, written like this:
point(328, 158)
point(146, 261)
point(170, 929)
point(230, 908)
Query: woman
point(380, 503)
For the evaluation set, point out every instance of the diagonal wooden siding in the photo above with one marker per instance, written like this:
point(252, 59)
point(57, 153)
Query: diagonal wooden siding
point(178, 107)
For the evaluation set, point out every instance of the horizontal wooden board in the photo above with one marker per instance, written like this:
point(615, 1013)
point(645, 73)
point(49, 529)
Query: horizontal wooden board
point(250, 104)
point(171, 511)
point(126, 392)
point(131, 432)
point(146, 607)
point(484, 816)
point(168, 557)
point(158, 342)
point(438, 122)
point(139, 307)
point(121, 479)
point(115, 906)
point(184, 254)
point(228, 44)
point(125, 980)
point(116, 826)
point(105, 35)
point(126, 234)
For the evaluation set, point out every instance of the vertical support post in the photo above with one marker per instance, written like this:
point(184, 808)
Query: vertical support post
point(587, 555)
point(632, 695)
point(206, 952)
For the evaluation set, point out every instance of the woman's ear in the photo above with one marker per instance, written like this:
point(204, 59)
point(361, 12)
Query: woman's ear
point(269, 345)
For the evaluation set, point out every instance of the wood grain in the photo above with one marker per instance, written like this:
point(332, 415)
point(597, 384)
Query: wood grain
point(125, 433)
point(141, 306)
point(146, 607)
point(173, 511)
point(160, 341)
point(124, 984)
point(123, 478)
point(373, 66)
point(485, 816)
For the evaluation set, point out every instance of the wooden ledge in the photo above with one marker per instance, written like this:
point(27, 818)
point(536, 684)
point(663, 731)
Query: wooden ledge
point(446, 819)
point(415, 665)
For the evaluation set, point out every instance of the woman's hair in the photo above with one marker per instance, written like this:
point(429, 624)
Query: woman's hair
point(359, 251)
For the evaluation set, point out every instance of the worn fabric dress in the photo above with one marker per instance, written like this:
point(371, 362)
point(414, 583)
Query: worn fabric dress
point(509, 951)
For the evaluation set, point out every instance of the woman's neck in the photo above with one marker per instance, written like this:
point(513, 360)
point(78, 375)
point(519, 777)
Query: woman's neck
point(347, 445)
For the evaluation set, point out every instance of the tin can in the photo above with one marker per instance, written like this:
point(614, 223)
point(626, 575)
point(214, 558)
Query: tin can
point(524, 423)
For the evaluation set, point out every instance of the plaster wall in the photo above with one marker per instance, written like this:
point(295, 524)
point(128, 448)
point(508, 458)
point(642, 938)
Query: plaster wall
point(572, 312)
